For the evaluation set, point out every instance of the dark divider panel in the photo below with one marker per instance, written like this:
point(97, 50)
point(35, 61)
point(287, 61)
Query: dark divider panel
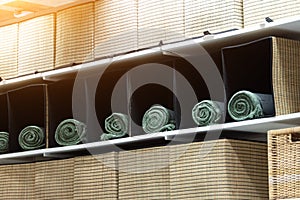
point(59, 105)
point(248, 66)
point(26, 106)
point(3, 113)
point(123, 88)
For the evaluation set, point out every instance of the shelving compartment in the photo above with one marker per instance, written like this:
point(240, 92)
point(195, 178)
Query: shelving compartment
point(266, 66)
point(27, 106)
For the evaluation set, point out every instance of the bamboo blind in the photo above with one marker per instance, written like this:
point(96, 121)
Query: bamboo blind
point(9, 51)
point(36, 44)
point(115, 27)
point(75, 35)
point(212, 15)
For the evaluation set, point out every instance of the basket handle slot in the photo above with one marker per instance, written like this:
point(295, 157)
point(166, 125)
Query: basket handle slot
point(295, 137)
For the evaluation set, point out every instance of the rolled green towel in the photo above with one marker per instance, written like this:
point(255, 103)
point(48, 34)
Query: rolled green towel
point(245, 105)
point(70, 132)
point(116, 126)
point(31, 137)
point(207, 112)
point(158, 119)
point(4, 142)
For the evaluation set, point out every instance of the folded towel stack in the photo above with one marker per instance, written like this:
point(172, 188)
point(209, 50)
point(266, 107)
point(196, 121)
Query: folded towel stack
point(70, 132)
point(116, 126)
point(245, 105)
point(4, 142)
point(158, 119)
point(31, 137)
point(207, 112)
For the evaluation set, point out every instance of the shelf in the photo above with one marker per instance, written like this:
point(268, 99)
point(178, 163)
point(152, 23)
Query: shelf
point(250, 130)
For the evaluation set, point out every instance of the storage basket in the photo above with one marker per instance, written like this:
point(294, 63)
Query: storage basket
point(255, 11)
point(115, 27)
point(54, 180)
point(75, 35)
point(17, 181)
point(9, 51)
point(144, 174)
point(286, 75)
point(95, 177)
point(212, 15)
point(267, 66)
point(284, 163)
point(221, 169)
point(160, 21)
point(36, 44)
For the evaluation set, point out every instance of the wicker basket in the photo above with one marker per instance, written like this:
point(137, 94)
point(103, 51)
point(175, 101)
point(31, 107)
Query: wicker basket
point(54, 180)
point(144, 174)
point(284, 163)
point(75, 35)
point(36, 44)
point(115, 27)
point(286, 75)
point(212, 15)
point(255, 11)
point(9, 51)
point(17, 182)
point(160, 20)
point(222, 169)
point(95, 177)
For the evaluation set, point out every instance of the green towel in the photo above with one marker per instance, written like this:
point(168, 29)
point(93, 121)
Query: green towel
point(158, 119)
point(31, 137)
point(4, 142)
point(116, 126)
point(207, 112)
point(245, 105)
point(70, 132)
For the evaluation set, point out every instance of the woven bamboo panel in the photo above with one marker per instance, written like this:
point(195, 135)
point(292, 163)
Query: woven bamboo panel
point(36, 44)
point(8, 51)
point(255, 11)
point(212, 15)
point(17, 182)
point(284, 163)
point(223, 169)
point(144, 174)
point(160, 20)
point(286, 75)
point(115, 27)
point(96, 177)
point(75, 35)
point(54, 180)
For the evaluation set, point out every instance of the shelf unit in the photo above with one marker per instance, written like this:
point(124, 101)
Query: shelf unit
point(250, 130)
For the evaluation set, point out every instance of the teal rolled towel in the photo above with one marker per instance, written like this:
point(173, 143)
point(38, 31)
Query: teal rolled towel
point(4, 142)
point(70, 132)
point(158, 119)
point(245, 105)
point(116, 126)
point(31, 137)
point(207, 112)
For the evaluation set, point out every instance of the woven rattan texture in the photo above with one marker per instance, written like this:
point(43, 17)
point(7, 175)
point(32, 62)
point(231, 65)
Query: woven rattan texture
point(284, 163)
point(75, 35)
point(255, 11)
point(115, 27)
point(160, 20)
point(144, 174)
point(54, 180)
point(36, 44)
point(9, 51)
point(212, 15)
point(286, 75)
point(17, 182)
point(96, 177)
point(223, 169)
